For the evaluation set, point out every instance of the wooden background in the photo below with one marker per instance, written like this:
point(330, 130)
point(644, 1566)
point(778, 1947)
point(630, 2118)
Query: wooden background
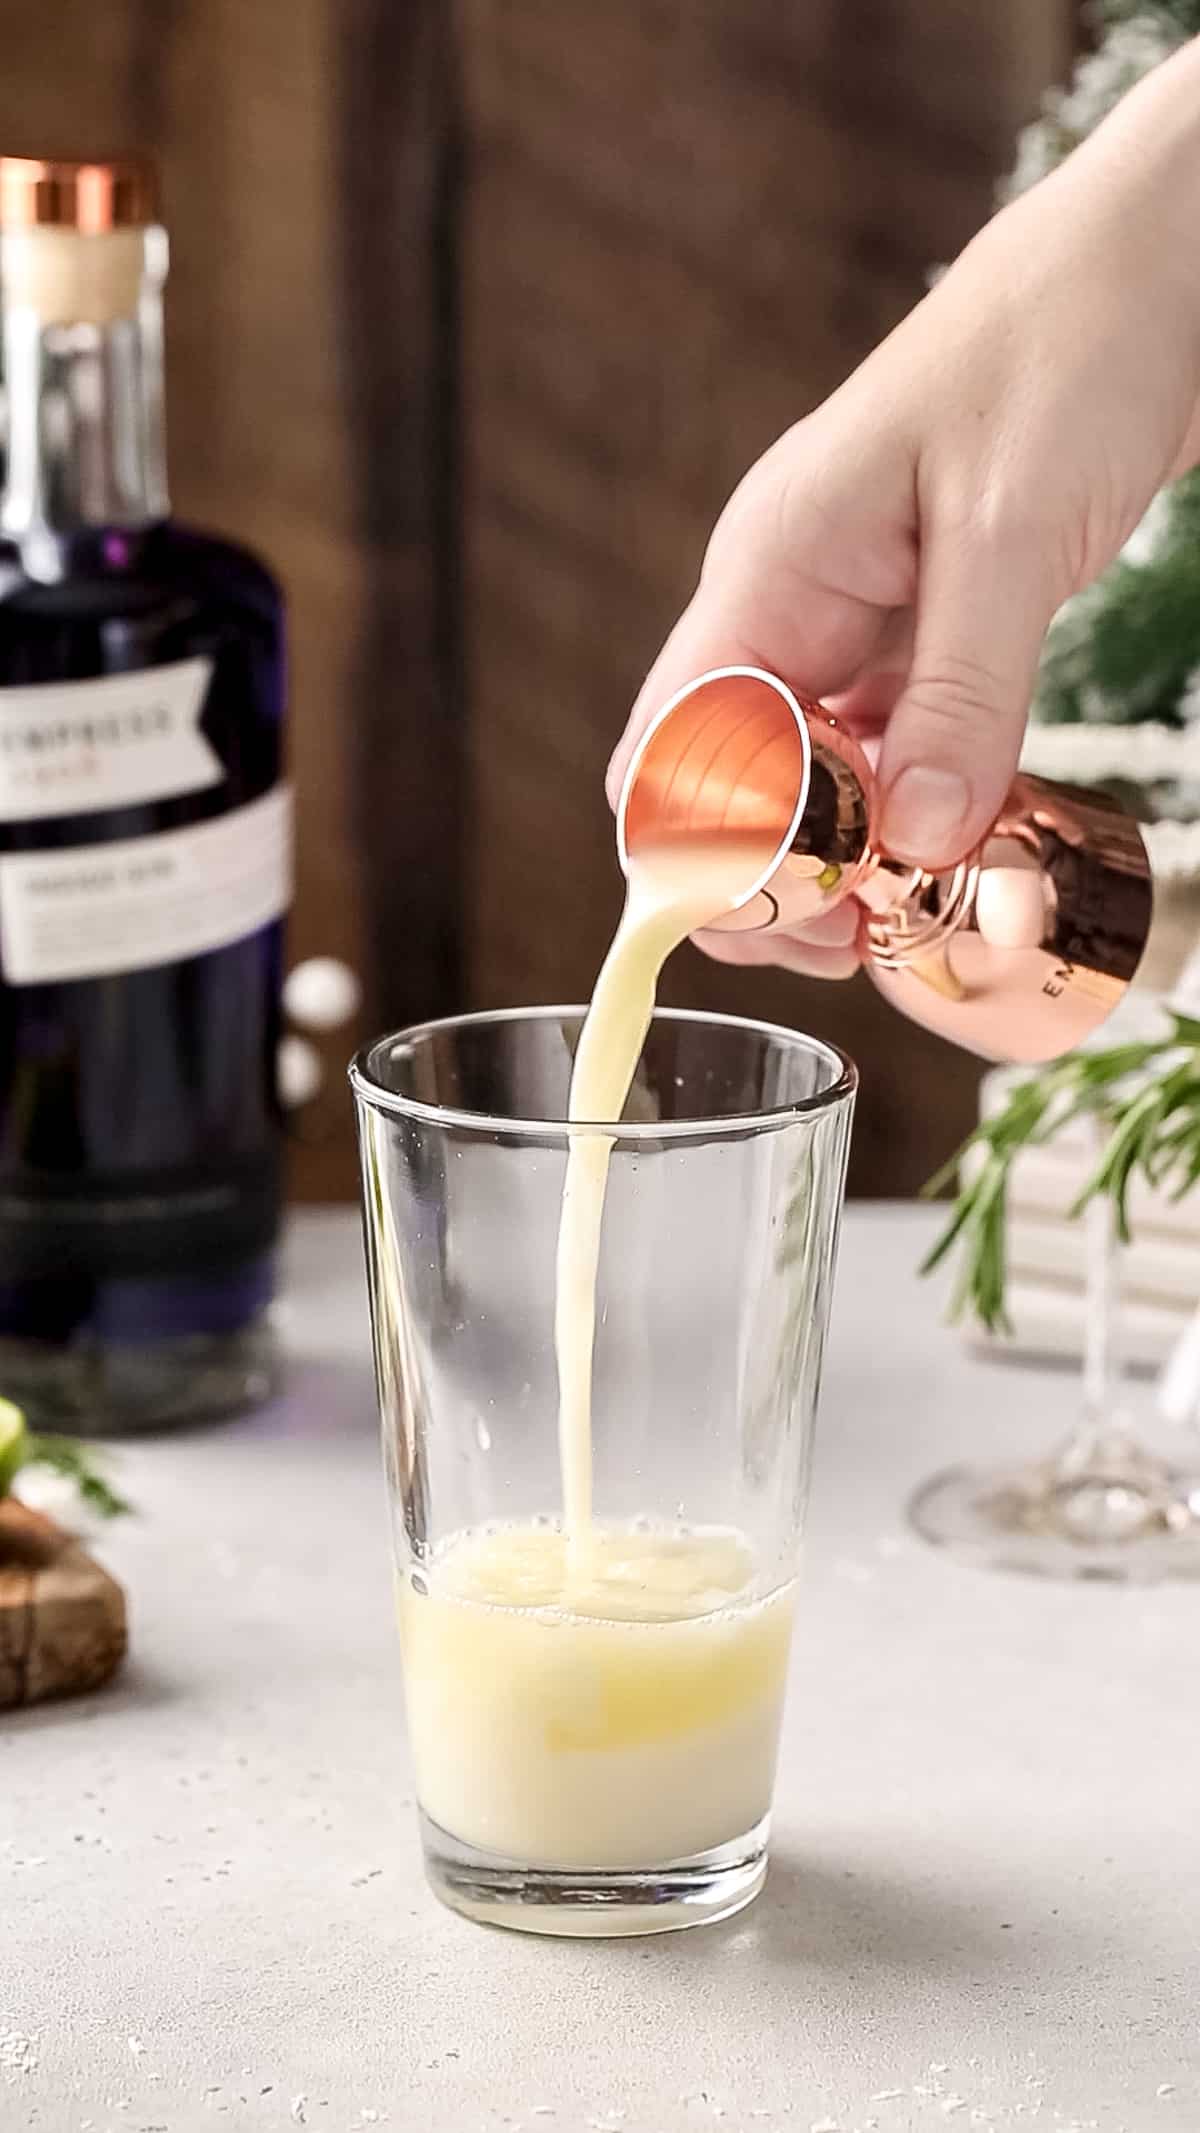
point(475, 318)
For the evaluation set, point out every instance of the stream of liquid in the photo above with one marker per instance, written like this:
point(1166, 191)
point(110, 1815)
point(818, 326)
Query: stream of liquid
point(673, 891)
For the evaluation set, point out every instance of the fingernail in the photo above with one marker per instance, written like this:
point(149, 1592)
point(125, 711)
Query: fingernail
point(923, 815)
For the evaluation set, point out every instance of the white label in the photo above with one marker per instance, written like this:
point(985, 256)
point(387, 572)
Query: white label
point(92, 910)
point(74, 747)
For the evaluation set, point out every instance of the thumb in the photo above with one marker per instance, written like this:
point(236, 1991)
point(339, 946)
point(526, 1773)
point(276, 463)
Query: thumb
point(953, 739)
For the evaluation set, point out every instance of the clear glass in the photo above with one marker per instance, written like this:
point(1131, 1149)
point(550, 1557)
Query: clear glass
point(1102, 1505)
point(583, 1770)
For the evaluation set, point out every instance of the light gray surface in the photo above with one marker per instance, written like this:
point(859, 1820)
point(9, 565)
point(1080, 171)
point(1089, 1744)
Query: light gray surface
point(985, 1906)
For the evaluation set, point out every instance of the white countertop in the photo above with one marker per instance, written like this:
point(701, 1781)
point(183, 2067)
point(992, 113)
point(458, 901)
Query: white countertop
point(984, 1909)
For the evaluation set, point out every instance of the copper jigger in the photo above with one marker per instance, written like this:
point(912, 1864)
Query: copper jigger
point(1017, 953)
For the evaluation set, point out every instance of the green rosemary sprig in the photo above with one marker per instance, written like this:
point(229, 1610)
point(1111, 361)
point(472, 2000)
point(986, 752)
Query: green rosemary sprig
point(22, 1447)
point(81, 1466)
point(1146, 1094)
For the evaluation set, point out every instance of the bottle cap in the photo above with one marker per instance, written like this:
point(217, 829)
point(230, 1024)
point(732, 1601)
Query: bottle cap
point(70, 193)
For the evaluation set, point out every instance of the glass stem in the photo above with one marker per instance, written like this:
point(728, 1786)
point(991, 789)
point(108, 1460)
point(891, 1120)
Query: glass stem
point(1102, 1304)
point(1099, 1427)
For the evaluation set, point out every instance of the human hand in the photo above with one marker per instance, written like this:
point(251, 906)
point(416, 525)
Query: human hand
point(901, 551)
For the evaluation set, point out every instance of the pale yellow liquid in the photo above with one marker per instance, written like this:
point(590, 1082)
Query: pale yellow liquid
point(597, 1696)
point(620, 1722)
point(672, 892)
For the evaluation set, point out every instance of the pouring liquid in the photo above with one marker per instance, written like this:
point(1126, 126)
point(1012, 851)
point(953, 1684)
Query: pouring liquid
point(673, 890)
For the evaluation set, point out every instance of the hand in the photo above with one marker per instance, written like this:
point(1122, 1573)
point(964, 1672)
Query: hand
point(901, 551)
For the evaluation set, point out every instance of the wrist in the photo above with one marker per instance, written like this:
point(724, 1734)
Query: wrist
point(1139, 174)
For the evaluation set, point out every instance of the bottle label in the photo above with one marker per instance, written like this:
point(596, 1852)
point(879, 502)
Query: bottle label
point(94, 910)
point(77, 747)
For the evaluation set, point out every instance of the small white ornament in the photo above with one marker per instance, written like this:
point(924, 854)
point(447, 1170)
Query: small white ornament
point(300, 1072)
point(321, 994)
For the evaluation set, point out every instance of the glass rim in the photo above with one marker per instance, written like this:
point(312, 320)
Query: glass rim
point(371, 1092)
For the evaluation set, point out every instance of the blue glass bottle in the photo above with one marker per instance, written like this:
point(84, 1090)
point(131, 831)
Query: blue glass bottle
point(144, 856)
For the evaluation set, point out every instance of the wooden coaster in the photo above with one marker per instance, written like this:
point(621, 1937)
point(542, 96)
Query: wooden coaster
point(62, 1618)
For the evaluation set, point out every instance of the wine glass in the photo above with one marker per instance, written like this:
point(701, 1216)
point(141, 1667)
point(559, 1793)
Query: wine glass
point(1104, 1504)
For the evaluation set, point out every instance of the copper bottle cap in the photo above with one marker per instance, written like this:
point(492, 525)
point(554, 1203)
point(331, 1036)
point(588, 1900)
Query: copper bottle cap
point(68, 193)
point(1017, 953)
